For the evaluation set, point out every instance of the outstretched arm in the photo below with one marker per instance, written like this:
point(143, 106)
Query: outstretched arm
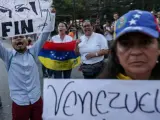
point(4, 52)
point(39, 43)
point(43, 37)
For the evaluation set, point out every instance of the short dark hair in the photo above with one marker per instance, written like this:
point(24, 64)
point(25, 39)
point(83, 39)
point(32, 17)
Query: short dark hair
point(88, 21)
point(116, 13)
point(65, 26)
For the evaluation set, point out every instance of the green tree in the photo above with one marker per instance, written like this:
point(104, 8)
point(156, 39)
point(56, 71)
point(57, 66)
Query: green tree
point(85, 9)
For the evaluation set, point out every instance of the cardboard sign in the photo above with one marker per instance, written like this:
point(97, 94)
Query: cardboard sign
point(101, 100)
point(19, 17)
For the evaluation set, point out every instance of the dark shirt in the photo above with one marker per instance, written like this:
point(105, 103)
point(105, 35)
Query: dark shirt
point(99, 29)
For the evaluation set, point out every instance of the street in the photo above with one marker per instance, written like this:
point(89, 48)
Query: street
point(5, 111)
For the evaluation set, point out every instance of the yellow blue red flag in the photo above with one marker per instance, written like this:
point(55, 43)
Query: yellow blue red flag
point(59, 56)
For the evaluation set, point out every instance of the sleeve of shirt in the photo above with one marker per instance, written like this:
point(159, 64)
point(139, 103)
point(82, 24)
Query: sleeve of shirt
point(103, 42)
point(81, 39)
point(39, 43)
point(4, 52)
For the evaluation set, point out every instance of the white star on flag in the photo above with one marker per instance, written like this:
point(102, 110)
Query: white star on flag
point(132, 22)
point(137, 16)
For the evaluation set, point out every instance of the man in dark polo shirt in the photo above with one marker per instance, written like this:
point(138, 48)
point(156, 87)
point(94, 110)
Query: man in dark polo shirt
point(98, 28)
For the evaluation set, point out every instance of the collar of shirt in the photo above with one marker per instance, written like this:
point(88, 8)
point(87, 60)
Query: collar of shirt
point(15, 52)
point(123, 77)
point(88, 37)
point(63, 38)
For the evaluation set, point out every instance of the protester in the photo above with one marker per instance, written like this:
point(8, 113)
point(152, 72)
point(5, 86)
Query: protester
point(115, 17)
point(21, 65)
point(92, 47)
point(72, 33)
point(62, 38)
point(134, 54)
point(107, 33)
point(23, 77)
point(98, 28)
point(154, 13)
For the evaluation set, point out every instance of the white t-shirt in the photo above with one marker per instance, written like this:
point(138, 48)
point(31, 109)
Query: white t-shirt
point(108, 35)
point(93, 44)
point(57, 39)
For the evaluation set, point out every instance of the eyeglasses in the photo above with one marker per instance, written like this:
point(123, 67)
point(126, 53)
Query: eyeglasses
point(16, 37)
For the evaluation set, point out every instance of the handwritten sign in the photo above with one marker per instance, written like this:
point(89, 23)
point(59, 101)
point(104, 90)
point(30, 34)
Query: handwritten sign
point(101, 100)
point(25, 17)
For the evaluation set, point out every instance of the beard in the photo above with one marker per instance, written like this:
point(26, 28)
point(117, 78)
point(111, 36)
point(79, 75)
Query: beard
point(21, 49)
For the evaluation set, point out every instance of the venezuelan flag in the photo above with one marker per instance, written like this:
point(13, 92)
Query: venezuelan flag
point(59, 56)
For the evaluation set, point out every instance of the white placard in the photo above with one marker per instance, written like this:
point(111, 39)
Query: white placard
point(19, 17)
point(101, 100)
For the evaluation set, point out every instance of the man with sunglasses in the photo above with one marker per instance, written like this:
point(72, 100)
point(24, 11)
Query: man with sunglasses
point(23, 77)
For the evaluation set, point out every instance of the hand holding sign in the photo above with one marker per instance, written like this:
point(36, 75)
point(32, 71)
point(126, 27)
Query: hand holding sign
point(49, 24)
point(19, 17)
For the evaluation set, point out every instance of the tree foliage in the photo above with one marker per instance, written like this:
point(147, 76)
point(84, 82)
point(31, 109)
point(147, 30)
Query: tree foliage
point(87, 8)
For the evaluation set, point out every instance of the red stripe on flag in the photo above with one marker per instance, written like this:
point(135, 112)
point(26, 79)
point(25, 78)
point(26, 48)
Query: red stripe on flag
point(68, 46)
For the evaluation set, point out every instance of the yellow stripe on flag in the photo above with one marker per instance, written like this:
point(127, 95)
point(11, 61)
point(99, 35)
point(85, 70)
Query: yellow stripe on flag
point(59, 65)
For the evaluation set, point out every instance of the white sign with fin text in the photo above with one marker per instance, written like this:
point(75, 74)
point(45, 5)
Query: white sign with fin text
point(20, 17)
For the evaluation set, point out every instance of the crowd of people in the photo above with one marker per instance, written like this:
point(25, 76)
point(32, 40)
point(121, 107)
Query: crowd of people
point(131, 42)
point(105, 32)
point(95, 45)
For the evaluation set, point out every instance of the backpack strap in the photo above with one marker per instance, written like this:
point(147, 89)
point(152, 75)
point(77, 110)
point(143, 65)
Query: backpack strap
point(9, 64)
point(32, 55)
